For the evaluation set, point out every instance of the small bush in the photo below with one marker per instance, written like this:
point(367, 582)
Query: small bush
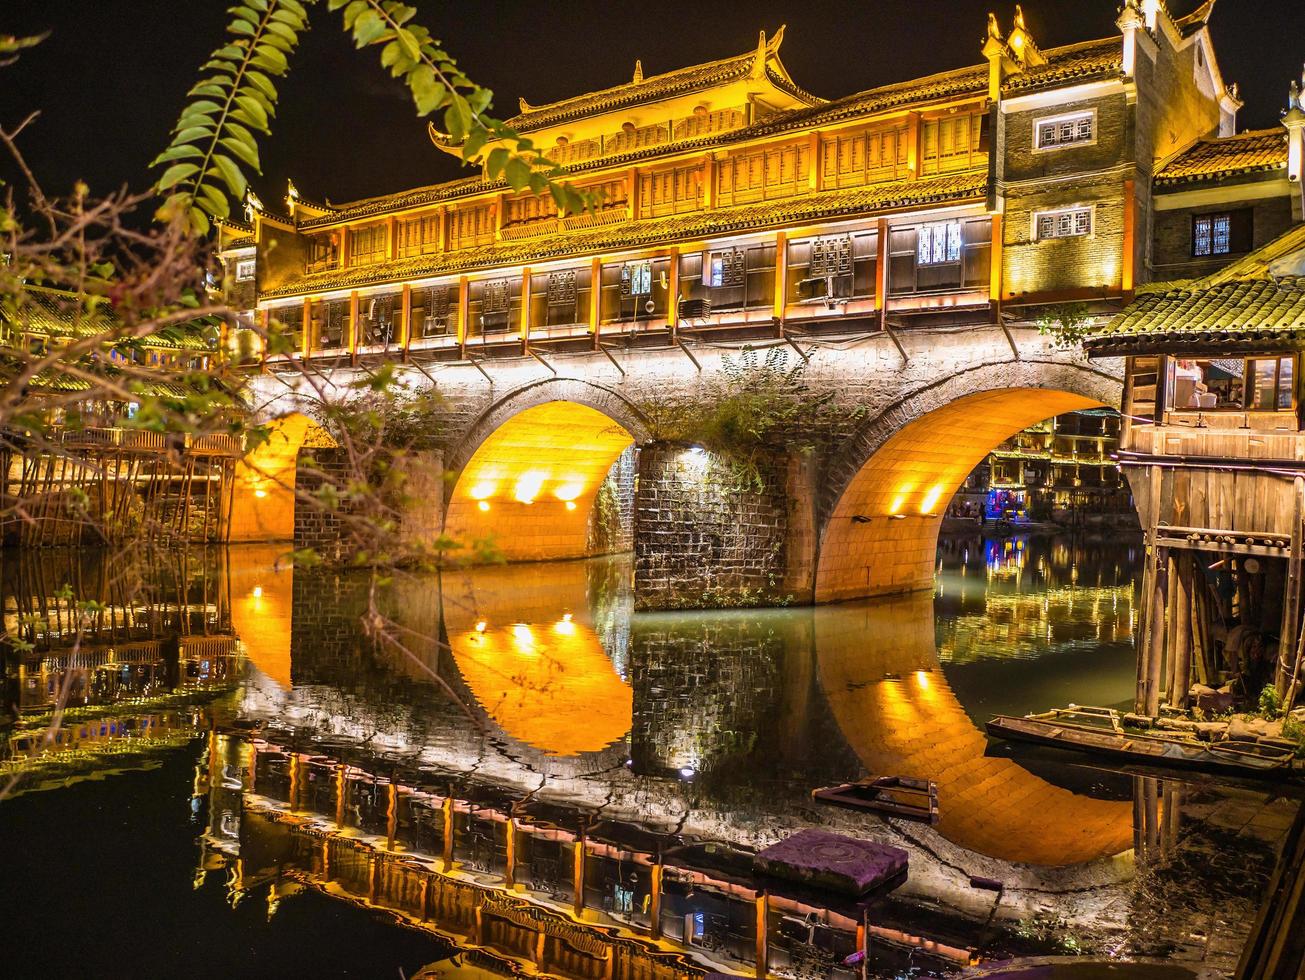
point(1270, 702)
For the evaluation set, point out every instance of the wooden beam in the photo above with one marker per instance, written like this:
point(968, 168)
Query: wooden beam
point(673, 292)
point(464, 312)
point(781, 279)
point(881, 275)
point(596, 299)
point(526, 285)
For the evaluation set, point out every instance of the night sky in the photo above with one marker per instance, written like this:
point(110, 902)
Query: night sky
point(112, 77)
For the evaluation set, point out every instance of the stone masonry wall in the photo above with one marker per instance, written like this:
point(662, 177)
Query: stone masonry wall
point(702, 537)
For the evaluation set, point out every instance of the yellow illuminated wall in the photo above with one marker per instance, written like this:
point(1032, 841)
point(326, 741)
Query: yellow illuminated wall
point(879, 670)
point(261, 601)
point(905, 487)
point(526, 646)
point(531, 485)
point(262, 502)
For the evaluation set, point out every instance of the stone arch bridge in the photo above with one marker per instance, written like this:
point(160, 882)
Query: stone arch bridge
point(533, 440)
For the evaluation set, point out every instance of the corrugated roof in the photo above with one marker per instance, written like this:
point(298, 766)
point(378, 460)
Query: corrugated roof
point(845, 203)
point(1237, 308)
point(1210, 159)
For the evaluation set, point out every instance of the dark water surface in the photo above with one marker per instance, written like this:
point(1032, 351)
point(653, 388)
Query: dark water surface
point(524, 775)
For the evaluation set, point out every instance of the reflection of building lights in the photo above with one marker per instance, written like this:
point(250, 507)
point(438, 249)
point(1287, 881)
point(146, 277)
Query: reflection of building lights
point(258, 592)
point(697, 450)
point(687, 773)
point(570, 505)
point(483, 505)
point(922, 678)
point(565, 626)
point(481, 626)
point(260, 493)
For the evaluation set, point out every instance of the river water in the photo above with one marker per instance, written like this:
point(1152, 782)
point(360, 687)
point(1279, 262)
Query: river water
point(508, 770)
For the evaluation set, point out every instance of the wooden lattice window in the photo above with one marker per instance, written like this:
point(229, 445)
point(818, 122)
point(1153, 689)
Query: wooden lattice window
point(471, 226)
point(831, 256)
point(432, 309)
point(724, 269)
point(417, 236)
point(950, 143)
point(367, 245)
point(497, 297)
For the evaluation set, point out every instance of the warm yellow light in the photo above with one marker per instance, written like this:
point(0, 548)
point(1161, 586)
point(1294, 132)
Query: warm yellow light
point(481, 626)
point(570, 505)
point(528, 486)
point(480, 491)
point(483, 505)
point(931, 499)
point(922, 678)
point(569, 491)
point(565, 627)
point(260, 493)
point(258, 592)
point(524, 639)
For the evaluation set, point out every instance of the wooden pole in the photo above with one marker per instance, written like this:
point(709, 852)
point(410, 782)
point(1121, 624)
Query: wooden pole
point(763, 943)
point(655, 901)
point(1171, 628)
point(1156, 651)
point(1181, 652)
point(1287, 668)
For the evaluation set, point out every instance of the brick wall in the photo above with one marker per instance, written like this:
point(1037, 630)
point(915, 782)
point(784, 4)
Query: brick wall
point(1172, 244)
point(318, 527)
point(611, 523)
point(703, 540)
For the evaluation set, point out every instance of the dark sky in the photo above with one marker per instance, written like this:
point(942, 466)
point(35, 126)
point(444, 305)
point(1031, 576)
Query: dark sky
point(113, 75)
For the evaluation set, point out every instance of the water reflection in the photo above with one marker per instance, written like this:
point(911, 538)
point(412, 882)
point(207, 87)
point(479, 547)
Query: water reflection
point(531, 771)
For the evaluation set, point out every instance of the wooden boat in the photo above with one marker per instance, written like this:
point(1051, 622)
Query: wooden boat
point(1240, 758)
point(894, 796)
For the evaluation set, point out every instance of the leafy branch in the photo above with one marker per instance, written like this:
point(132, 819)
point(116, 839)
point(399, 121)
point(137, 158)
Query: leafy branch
point(1067, 324)
point(214, 145)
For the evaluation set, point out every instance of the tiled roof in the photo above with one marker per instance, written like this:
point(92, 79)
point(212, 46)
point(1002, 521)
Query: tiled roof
point(1257, 150)
point(1240, 307)
point(54, 313)
point(1074, 62)
point(971, 185)
point(1082, 62)
point(655, 88)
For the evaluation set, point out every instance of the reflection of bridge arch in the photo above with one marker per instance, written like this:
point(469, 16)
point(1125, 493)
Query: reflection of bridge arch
point(879, 671)
point(895, 477)
point(529, 469)
point(529, 651)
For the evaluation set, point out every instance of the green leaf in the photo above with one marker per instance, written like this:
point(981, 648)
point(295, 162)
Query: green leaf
point(176, 152)
point(458, 117)
point(199, 222)
point(427, 92)
point(283, 31)
point(248, 154)
point(213, 201)
point(211, 89)
point(517, 173)
point(496, 161)
point(391, 54)
point(177, 173)
point(230, 174)
point(262, 83)
point(368, 27)
point(243, 28)
point(269, 59)
point(255, 109)
point(192, 133)
point(409, 42)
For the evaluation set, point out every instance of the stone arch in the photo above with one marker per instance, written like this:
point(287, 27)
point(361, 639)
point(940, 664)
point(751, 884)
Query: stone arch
point(261, 501)
point(890, 482)
point(528, 470)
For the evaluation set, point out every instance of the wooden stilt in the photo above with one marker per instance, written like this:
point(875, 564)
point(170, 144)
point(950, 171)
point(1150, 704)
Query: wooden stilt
point(1156, 653)
point(1180, 654)
point(1171, 635)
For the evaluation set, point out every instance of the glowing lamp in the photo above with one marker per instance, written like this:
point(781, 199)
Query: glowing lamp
point(570, 505)
point(260, 493)
point(569, 491)
point(258, 592)
point(483, 505)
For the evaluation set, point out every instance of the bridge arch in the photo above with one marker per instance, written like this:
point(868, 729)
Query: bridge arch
point(892, 480)
point(529, 469)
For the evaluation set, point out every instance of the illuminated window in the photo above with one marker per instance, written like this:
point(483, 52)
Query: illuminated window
point(1223, 233)
point(1070, 223)
point(244, 270)
point(636, 279)
point(435, 313)
point(1258, 384)
point(724, 269)
point(1269, 384)
point(1066, 131)
point(939, 244)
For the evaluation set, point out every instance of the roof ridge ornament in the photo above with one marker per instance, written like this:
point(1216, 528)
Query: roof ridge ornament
point(763, 53)
point(638, 72)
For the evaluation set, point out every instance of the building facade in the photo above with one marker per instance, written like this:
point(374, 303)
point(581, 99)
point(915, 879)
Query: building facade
point(731, 203)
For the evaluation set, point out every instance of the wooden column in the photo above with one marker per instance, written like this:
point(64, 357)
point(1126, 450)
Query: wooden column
point(353, 327)
point(1156, 651)
point(392, 817)
point(344, 248)
point(448, 834)
point(996, 275)
point(913, 145)
point(510, 846)
point(464, 312)
point(1129, 258)
point(781, 278)
point(596, 298)
point(340, 784)
point(673, 292)
point(1181, 612)
point(763, 940)
point(709, 182)
point(525, 309)
point(578, 876)
point(655, 901)
point(404, 337)
point(306, 341)
point(1288, 645)
point(632, 192)
point(814, 178)
point(881, 275)
point(1171, 628)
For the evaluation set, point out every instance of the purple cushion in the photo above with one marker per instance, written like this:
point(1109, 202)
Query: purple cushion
point(824, 860)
